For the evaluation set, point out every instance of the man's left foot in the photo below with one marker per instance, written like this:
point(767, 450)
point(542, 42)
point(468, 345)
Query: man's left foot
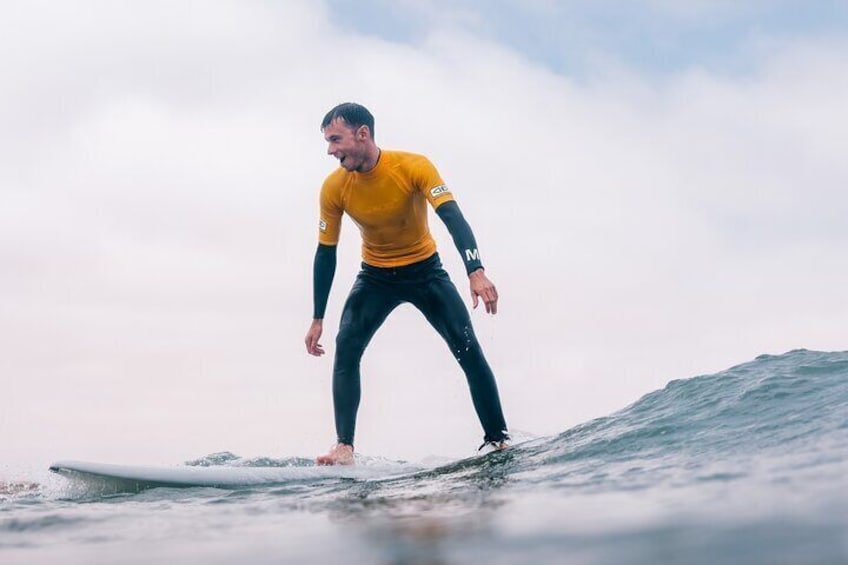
point(490, 446)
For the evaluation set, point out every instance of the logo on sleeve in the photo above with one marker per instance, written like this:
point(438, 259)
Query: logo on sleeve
point(472, 255)
point(322, 225)
point(438, 190)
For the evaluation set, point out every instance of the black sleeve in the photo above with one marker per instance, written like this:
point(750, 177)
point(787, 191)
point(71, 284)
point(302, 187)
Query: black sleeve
point(462, 235)
point(322, 278)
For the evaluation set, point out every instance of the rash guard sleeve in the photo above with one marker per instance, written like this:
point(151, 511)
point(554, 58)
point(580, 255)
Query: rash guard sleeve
point(323, 271)
point(462, 235)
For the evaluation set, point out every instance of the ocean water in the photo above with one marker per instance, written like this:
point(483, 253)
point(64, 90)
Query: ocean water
point(749, 465)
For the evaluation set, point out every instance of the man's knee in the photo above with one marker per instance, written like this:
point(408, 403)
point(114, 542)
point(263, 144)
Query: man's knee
point(350, 341)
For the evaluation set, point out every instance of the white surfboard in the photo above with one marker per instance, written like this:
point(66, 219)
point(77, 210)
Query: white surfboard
point(139, 477)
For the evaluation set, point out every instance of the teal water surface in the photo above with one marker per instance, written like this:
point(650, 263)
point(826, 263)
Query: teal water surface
point(745, 466)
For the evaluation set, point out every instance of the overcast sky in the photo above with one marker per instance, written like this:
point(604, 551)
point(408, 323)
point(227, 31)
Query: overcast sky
point(658, 190)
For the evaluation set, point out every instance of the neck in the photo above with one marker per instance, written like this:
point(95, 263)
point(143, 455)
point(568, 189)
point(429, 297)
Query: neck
point(371, 160)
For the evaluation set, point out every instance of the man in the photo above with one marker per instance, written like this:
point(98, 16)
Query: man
point(386, 194)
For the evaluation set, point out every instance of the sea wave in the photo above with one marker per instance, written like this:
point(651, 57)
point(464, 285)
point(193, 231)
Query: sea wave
point(746, 465)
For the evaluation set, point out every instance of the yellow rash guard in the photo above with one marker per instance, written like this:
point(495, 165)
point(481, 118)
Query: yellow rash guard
point(389, 204)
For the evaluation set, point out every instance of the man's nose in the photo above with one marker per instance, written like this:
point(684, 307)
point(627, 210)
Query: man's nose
point(330, 149)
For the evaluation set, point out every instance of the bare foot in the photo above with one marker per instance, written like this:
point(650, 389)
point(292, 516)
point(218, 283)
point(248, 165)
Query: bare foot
point(340, 454)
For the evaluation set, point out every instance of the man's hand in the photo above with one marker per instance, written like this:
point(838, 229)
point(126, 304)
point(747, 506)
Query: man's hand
point(312, 337)
point(482, 287)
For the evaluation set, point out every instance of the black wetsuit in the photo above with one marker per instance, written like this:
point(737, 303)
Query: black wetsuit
point(426, 285)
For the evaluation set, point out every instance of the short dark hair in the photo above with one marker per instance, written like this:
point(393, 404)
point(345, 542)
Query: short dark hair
point(354, 115)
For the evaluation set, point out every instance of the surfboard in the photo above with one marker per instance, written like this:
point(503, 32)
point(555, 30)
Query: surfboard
point(134, 478)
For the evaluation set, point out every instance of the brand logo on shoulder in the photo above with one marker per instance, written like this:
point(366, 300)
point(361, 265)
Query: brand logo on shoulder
point(322, 225)
point(437, 190)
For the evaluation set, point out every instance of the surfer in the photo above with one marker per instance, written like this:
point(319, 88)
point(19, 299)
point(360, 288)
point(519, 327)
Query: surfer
point(386, 194)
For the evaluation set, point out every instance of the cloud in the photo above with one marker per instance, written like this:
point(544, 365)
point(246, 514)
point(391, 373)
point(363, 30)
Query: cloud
point(160, 170)
point(583, 39)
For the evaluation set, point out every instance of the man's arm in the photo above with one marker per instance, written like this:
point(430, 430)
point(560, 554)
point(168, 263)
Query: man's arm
point(323, 270)
point(464, 240)
point(462, 235)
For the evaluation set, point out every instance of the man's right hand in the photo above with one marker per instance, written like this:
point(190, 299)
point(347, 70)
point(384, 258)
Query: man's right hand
point(312, 337)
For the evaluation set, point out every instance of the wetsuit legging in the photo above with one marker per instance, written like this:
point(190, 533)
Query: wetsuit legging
point(426, 285)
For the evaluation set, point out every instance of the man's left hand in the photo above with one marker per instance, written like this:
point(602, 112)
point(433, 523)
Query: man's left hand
point(482, 287)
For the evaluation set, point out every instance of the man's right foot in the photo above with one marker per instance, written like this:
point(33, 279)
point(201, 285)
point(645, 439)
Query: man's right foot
point(340, 454)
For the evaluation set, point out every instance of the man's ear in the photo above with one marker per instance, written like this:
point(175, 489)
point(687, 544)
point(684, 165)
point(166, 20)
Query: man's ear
point(363, 133)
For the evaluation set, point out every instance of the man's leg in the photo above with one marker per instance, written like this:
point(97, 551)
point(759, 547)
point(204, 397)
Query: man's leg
point(441, 304)
point(364, 311)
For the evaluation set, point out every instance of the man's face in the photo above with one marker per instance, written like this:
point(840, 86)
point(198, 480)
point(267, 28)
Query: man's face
point(347, 145)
